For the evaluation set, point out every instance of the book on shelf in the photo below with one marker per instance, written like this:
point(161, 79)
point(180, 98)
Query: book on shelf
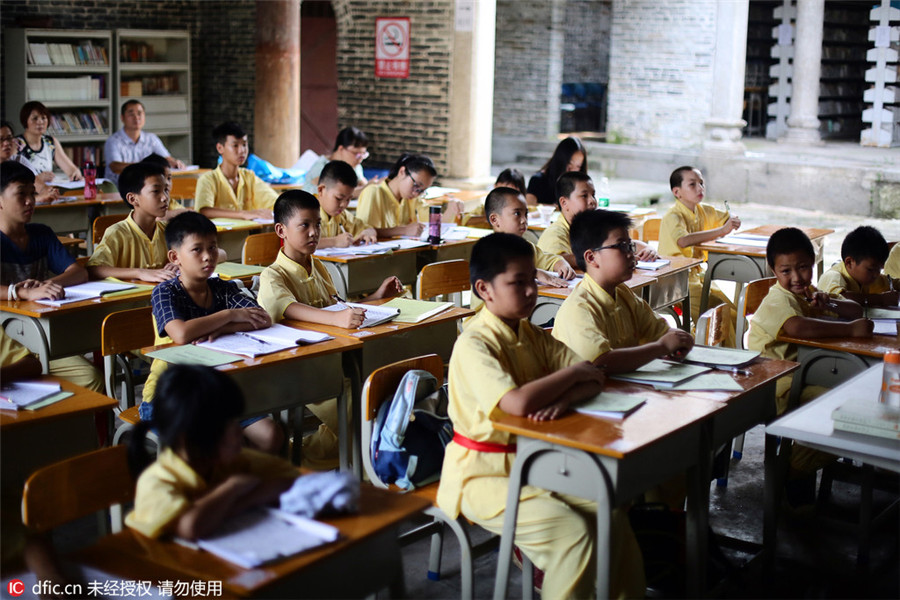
point(81, 154)
point(87, 87)
point(80, 54)
point(136, 52)
point(78, 123)
point(154, 85)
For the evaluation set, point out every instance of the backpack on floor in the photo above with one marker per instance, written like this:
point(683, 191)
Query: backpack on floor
point(411, 431)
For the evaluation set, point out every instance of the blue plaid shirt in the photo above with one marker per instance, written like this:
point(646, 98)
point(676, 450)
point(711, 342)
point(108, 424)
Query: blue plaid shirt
point(171, 301)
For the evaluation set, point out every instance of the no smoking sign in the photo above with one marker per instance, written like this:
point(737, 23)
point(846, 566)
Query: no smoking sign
point(392, 47)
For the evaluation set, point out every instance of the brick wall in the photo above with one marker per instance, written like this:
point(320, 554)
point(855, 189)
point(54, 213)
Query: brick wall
point(586, 55)
point(661, 59)
point(398, 114)
point(528, 67)
point(222, 48)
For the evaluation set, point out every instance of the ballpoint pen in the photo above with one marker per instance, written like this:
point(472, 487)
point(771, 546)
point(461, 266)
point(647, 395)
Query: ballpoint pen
point(733, 370)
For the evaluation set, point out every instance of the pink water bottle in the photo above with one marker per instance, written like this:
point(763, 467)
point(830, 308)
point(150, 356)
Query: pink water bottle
point(434, 224)
point(90, 181)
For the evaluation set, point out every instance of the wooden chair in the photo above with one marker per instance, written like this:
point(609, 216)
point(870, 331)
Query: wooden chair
point(449, 277)
point(651, 230)
point(261, 249)
point(77, 487)
point(379, 388)
point(711, 326)
point(183, 188)
point(751, 297)
point(102, 223)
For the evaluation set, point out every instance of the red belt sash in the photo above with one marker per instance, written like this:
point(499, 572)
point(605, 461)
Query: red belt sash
point(482, 446)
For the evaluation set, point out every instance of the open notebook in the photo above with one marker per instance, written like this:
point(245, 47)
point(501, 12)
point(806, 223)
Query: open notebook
point(264, 341)
point(375, 315)
point(22, 394)
point(87, 291)
point(264, 535)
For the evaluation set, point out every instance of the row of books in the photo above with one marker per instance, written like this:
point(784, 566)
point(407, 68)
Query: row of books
point(157, 85)
point(83, 154)
point(84, 53)
point(72, 123)
point(87, 87)
point(136, 52)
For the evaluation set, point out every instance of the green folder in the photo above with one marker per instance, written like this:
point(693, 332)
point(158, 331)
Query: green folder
point(610, 405)
point(413, 311)
point(62, 395)
point(232, 270)
point(190, 354)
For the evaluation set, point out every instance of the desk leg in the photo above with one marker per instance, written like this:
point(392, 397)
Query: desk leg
point(775, 468)
point(28, 331)
point(352, 366)
point(698, 516)
point(686, 312)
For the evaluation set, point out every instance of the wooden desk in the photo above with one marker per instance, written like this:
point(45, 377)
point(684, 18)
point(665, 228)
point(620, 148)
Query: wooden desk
point(74, 214)
point(291, 379)
point(671, 286)
point(30, 439)
point(615, 461)
point(871, 350)
point(232, 236)
point(741, 264)
point(53, 332)
point(364, 560)
point(354, 274)
point(388, 343)
point(551, 298)
point(447, 250)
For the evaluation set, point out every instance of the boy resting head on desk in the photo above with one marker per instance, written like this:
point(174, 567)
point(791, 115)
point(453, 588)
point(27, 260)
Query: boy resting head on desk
point(195, 306)
point(502, 362)
point(602, 318)
point(575, 194)
point(340, 229)
point(691, 222)
point(203, 474)
point(34, 265)
point(230, 191)
point(858, 276)
point(135, 248)
point(296, 286)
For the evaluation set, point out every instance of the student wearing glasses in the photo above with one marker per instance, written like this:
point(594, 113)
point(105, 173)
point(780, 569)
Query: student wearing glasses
point(350, 147)
point(395, 203)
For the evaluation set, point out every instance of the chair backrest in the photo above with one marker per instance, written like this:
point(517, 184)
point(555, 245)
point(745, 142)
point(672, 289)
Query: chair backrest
point(102, 223)
point(443, 278)
point(751, 297)
point(183, 188)
point(712, 326)
point(380, 387)
point(651, 230)
point(826, 369)
point(123, 332)
point(77, 487)
point(261, 249)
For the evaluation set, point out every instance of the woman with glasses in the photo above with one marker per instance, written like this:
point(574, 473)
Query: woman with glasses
point(350, 147)
point(396, 204)
point(9, 150)
point(570, 155)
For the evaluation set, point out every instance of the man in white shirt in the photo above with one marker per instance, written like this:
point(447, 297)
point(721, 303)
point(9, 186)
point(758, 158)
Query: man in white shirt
point(130, 144)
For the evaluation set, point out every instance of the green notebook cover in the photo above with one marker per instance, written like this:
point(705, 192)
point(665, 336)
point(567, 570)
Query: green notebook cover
point(610, 405)
point(662, 373)
point(190, 354)
point(413, 311)
point(231, 270)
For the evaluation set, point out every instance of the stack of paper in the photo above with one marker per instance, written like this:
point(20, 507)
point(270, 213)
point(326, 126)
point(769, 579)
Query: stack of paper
point(22, 394)
point(87, 291)
point(375, 315)
point(662, 373)
point(263, 535)
point(720, 357)
point(413, 311)
point(610, 405)
point(264, 341)
point(745, 239)
point(867, 416)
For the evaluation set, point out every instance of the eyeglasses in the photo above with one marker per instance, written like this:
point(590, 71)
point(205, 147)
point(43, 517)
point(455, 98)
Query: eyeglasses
point(362, 155)
point(4, 140)
point(417, 187)
point(626, 247)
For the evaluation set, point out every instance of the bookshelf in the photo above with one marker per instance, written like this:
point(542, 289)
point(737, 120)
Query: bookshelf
point(154, 66)
point(69, 72)
point(842, 81)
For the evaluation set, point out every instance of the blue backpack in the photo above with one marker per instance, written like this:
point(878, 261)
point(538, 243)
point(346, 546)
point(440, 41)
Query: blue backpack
point(411, 432)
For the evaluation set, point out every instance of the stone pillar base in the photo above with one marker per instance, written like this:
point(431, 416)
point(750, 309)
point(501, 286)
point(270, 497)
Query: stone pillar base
point(807, 136)
point(724, 136)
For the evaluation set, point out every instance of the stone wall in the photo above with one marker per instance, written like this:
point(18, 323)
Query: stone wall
point(661, 59)
point(586, 47)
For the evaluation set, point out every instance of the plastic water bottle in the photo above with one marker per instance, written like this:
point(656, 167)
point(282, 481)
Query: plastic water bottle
point(90, 181)
point(890, 382)
point(603, 192)
point(434, 224)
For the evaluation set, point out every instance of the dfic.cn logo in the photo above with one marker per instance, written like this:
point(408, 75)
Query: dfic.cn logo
point(15, 587)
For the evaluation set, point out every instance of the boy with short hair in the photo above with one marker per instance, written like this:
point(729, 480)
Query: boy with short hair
point(858, 276)
point(193, 306)
point(135, 248)
point(602, 318)
point(297, 286)
point(337, 182)
point(502, 362)
point(575, 194)
point(691, 222)
point(230, 191)
point(34, 265)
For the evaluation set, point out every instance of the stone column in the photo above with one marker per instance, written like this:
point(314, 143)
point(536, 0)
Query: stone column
point(724, 125)
point(277, 104)
point(803, 122)
point(472, 89)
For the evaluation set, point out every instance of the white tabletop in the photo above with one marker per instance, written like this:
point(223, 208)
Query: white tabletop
point(811, 424)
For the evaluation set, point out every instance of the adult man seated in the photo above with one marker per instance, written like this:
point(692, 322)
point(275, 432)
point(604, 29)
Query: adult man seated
point(130, 144)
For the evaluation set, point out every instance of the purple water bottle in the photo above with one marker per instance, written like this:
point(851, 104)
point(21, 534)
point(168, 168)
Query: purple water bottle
point(434, 224)
point(90, 181)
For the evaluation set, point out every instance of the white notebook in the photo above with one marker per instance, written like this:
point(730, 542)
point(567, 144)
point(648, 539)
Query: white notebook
point(264, 341)
point(375, 315)
point(87, 291)
point(263, 535)
point(21, 394)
